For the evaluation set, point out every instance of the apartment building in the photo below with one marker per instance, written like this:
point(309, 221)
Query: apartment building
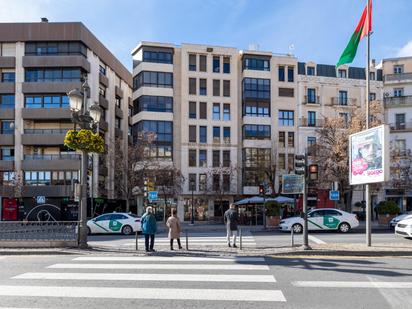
point(39, 64)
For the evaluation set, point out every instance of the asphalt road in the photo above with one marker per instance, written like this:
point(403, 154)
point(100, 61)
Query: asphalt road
point(118, 281)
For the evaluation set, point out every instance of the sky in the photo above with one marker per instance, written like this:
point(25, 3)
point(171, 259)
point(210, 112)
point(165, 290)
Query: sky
point(312, 30)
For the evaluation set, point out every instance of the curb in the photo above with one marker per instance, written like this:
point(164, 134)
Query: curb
point(342, 253)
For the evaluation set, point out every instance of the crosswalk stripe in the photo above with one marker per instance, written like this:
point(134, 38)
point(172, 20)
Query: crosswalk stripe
point(143, 293)
point(162, 266)
point(169, 259)
point(148, 277)
point(316, 240)
point(353, 284)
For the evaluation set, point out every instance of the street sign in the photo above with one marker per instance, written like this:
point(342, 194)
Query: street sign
point(334, 195)
point(40, 199)
point(152, 196)
point(293, 184)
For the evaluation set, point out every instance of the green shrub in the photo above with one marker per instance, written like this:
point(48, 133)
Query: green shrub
point(388, 208)
point(272, 209)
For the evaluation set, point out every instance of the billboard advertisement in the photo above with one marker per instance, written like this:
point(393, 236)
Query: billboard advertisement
point(293, 184)
point(369, 156)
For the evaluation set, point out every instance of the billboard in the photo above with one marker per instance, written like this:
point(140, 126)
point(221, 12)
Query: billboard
point(293, 184)
point(369, 156)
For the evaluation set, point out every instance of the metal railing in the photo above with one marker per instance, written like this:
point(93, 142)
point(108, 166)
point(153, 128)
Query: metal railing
point(311, 100)
point(39, 231)
point(53, 157)
point(305, 122)
point(397, 77)
point(342, 101)
point(7, 106)
point(46, 131)
point(394, 101)
point(402, 126)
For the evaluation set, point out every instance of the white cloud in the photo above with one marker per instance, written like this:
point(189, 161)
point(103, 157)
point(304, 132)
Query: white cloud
point(406, 50)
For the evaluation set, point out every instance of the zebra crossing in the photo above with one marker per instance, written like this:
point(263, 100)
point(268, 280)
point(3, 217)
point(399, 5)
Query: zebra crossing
point(154, 278)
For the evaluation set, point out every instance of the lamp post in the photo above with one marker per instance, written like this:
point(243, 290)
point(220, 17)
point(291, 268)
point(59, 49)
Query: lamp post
point(192, 219)
point(86, 119)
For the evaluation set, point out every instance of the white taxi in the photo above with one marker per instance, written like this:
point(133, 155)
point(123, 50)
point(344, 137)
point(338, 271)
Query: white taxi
point(117, 222)
point(322, 219)
point(404, 228)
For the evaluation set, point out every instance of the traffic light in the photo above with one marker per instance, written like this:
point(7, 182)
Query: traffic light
point(300, 164)
point(145, 187)
point(313, 172)
point(261, 190)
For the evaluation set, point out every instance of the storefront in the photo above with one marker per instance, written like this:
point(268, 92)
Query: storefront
point(403, 198)
point(9, 209)
point(201, 209)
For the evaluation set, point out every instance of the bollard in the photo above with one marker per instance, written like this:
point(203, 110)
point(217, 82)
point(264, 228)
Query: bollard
point(240, 240)
point(187, 241)
point(292, 234)
point(137, 240)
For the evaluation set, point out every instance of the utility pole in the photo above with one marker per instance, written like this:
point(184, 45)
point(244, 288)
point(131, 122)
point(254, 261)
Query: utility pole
point(301, 164)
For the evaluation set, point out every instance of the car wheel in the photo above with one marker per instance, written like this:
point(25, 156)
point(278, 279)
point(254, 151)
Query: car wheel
point(344, 227)
point(127, 230)
point(297, 228)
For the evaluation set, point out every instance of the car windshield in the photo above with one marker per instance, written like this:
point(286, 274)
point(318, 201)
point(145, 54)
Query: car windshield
point(133, 215)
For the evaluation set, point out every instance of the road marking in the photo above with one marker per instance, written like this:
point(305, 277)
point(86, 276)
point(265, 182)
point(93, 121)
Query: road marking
point(144, 293)
point(316, 240)
point(353, 284)
point(169, 259)
point(162, 266)
point(148, 277)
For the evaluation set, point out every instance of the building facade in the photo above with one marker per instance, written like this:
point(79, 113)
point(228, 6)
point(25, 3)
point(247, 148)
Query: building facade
point(40, 63)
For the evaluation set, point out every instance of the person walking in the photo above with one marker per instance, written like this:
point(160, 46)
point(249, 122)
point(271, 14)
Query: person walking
point(173, 223)
point(231, 219)
point(149, 227)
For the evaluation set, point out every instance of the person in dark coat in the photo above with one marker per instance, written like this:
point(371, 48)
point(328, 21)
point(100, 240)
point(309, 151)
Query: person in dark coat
point(149, 227)
point(231, 219)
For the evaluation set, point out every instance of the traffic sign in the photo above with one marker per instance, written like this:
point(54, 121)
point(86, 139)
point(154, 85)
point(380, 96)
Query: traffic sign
point(334, 195)
point(152, 196)
point(293, 184)
point(40, 199)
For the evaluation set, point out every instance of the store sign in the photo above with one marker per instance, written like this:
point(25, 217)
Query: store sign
point(369, 156)
point(40, 199)
point(293, 184)
point(152, 196)
point(334, 195)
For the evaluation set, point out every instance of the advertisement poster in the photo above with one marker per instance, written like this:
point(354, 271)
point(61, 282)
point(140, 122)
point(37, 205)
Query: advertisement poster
point(369, 156)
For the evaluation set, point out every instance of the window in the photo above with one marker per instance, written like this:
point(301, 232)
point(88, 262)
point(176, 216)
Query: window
point(6, 101)
point(202, 134)
point(345, 117)
point(342, 73)
point(400, 146)
point(343, 97)
point(398, 69)
point(202, 158)
point(291, 139)
point(311, 142)
point(226, 135)
point(311, 99)
point(257, 108)
point(7, 127)
point(287, 92)
point(202, 63)
point(372, 75)
point(216, 64)
point(202, 87)
point(256, 88)
point(153, 79)
point(7, 178)
point(291, 73)
point(216, 134)
point(291, 162)
point(162, 146)
point(192, 62)
point(282, 142)
point(226, 182)
point(254, 160)
point(226, 65)
point(216, 182)
point(102, 69)
point(202, 110)
point(102, 91)
point(400, 121)
point(398, 92)
point(282, 161)
point(192, 134)
point(7, 153)
point(311, 119)
point(202, 182)
point(310, 71)
point(192, 182)
point(118, 123)
point(192, 86)
point(256, 64)
point(372, 96)
point(150, 103)
point(216, 158)
point(286, 118)
point(192, 110)
point(55, 48)
point(281, 74)
point(216, 87)
point(54, 75)
point(157, 57)
point(42, 178)
point(216, 111)
point(118, 102)
point(226, 158)
point(8, 77)
point(226, 112)
point(226, 88)
point(254, 131)
point(192, 157)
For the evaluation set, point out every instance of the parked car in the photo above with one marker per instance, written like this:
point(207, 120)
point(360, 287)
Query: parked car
point(395, 220)
point(119, 222)
point(404, 228)
point(322, 219)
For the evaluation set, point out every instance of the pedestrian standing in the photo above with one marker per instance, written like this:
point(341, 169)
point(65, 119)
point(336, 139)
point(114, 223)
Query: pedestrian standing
point(231, 219)
point(173, 223)
point(149, 227)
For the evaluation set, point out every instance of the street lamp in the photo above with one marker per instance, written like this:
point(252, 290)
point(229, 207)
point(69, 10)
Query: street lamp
point(192, 186)
point(86, 119)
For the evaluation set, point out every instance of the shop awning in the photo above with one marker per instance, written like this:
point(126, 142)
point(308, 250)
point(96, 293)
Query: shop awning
point(260, 200)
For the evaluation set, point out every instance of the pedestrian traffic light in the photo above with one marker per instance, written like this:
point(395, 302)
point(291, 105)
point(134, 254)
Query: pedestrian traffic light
point(145, 187)
point(313, 172)
point(261, 190)
point(300, 164)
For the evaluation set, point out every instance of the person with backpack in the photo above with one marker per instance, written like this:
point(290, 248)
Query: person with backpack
point(149, 227)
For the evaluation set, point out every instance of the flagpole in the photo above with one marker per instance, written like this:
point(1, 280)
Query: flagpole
point(367, 193)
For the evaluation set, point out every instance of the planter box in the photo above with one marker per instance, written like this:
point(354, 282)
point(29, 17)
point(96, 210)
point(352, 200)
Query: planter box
point(272, 221)
point(384, 219)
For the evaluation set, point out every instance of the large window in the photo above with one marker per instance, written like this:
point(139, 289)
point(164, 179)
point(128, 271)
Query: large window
point(311, 98)
point(54, 75)
point(192, 110)
point(281, 74)
point(256, 64)
point(311, 148)
point(162, 145)
point(255, 161)
point(343, 97)
point(153, 79)
point(216, 87)
point(257, 108)
point(286, 118)
point(216, 158)
point(202, 134)
point(311, 119)
point(226, 88)
point(202, 110)
point(216, 111)
point(216, 64)
point(7, 127)
point(192, 62)
point(202, 158)
point(202, 63)
point(192, 157)
point(226, 112)
point(216, 134)
point(226, 135)
point(256, 88)
point(226, 65)
point(55, 48)
point(310, 71)
point(192, 86)
point(157, 57)
point(202, 86)
point(7, 178)
point(8, 77)
point(282, 141)
point(291, 77)
point(46, 101)
point(153, 104)
point(7, 153)
point(254, 131)
point(192, 134)
point(226, 158)
point(6, 101)
point(41, 178)
point(291, 139)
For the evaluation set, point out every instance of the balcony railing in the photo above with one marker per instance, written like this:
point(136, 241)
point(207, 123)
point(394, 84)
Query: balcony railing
point(401, 126)
point(395, 101)
point(305, 122)
point(46, 131)
point(398, 77)
point(53, 157)
point(311, 100)
point(342, 101)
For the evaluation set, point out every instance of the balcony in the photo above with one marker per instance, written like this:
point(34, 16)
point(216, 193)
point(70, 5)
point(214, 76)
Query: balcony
point(401, 127)
point(47, 190)
point(402, 77)
point(6, 165)
point(398, 101)
point(118, 133)
point(103, 102)
point(50, 87)
point(56, 62)
point(344, 102)
point(118, 112)
point(311, 100)
point(103, 80)
point(7, 112)
point(305, 122)
point(103, 125)
point(43, 136)
point(7, 87)
point(53, 162)
point(46, 113)
point(7, 62)
point(118, 91)
point(6, 139)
